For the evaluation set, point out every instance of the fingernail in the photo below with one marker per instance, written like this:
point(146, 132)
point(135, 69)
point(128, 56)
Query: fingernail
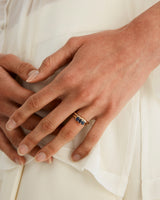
point(32, 75)
point(40, 157)
point(76, 157)
point(19, 162)
point(22, 149)
point(11, 124)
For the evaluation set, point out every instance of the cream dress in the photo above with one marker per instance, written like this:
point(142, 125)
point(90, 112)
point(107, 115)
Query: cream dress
point(125, 163)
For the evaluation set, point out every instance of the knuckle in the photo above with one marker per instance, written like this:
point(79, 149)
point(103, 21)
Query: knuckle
point(85, 95)
point(72, 41)
point(47, 125)
point(69, 79)
point(50, 149)
point(23, 67)
point(47, 62)
point(31, 141)
point(67, 135)
point(9, 56)
point(33, 102)
point(6, 57)
point(18, 116)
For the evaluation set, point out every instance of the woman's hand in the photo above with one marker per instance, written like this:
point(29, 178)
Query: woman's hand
point(105, 70)
point(12, 95)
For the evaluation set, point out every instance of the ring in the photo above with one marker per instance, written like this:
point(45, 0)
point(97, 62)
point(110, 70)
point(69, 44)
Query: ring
point(80, 119)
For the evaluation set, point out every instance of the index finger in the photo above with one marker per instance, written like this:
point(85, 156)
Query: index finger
point(34, 103)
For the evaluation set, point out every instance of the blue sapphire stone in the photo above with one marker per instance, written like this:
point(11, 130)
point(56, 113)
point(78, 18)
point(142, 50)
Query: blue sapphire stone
point(77, 119)
point(82, 122)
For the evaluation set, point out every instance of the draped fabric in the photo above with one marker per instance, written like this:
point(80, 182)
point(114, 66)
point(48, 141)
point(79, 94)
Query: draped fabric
point(34, 29)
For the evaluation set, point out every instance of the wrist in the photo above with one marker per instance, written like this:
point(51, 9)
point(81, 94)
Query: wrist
point(146, 32)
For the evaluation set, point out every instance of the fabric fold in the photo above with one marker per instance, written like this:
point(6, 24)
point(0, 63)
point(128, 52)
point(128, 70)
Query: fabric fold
point(39, 28)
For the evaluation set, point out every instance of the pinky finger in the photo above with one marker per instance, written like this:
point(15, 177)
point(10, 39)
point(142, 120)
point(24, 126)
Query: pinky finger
point(9, 150)
point(90, 140)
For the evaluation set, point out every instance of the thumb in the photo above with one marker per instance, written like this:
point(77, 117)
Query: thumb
point(57, 60)
point(13, 64)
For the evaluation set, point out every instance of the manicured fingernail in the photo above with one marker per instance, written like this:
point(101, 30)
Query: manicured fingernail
point(19, 162)
point(11, 124)
point(22, 149)
point(76, 157)
point(32, 75)
point(40, 157)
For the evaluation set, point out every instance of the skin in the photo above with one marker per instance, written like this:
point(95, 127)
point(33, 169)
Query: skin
point(104, 71)
point(12, 95)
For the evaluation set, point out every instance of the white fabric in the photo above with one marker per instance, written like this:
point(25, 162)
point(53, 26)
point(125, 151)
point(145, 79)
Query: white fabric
point(43, 181)
point(64, 181)
point(34, 29)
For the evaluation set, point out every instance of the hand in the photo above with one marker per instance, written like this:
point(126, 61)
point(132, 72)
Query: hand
point(106, 69)
point(12, 95)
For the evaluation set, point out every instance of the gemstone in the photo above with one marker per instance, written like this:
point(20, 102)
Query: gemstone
point(82, 122)
point(77, 119)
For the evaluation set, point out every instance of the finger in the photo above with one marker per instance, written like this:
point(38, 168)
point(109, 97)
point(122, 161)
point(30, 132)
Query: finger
point(52, 105)
point(91, 139)
point(57, 59)
point(9, 107)
point(13, 90)
point(31, 122)
point(9, 150)
point(16, 136)
point(67, 133)
point(46, 126)
point(20, 95)
point(34, 103)
point(13, 64)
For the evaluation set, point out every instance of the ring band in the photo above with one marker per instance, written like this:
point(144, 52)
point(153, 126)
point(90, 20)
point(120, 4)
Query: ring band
point(80, 119)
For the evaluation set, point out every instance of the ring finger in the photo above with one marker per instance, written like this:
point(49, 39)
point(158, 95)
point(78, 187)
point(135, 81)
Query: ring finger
point(67, 133)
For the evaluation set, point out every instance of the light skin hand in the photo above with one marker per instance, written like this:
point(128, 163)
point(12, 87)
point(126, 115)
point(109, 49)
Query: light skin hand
point(105, 71)
point(12, 95)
